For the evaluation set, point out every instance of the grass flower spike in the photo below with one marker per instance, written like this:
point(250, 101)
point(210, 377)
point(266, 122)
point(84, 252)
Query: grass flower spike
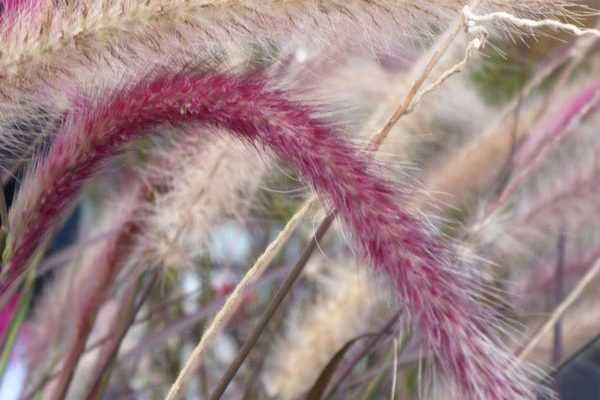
point(420, 263)
point(203, 183)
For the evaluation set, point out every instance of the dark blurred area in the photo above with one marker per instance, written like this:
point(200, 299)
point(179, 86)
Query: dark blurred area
point(579, 378)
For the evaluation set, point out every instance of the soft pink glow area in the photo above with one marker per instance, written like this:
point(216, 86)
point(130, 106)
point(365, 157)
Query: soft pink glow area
point(10, 8)
point(558, 126)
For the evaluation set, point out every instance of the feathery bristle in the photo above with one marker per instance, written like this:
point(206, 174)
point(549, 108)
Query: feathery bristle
point(202, 184)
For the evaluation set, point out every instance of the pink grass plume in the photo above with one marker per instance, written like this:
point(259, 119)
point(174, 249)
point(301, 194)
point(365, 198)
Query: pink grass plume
point(558, 126)
point(439, 290)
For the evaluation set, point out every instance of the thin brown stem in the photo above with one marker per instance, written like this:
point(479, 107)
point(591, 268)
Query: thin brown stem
point(85, 323)
point(558, 295)
point(557, 348)
point(560, 310)
point(408, 103)
point(128, 310)
point(272, 307)
point(53, 375)
point(365, 350)
point(3, 211)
